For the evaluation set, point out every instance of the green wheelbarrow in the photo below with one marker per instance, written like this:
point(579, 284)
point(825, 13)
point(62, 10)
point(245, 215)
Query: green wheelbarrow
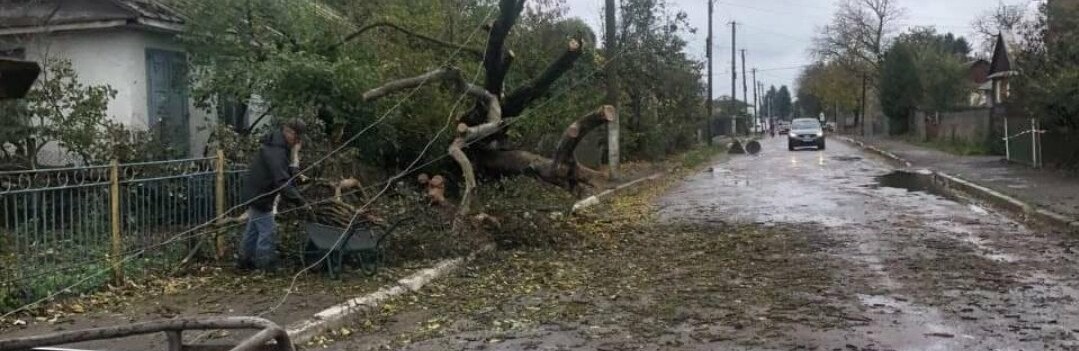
point(330, 246)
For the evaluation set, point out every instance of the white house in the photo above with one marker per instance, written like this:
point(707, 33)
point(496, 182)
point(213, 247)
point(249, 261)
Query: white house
point(131, 45)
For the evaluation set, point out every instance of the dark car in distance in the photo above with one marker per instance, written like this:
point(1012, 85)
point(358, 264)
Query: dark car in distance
point(805, 132)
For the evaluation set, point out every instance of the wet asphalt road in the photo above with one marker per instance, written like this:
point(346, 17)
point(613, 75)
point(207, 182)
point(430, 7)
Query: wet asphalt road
point(921, 271)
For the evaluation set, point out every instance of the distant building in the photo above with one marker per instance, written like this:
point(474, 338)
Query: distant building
point(1001, 69)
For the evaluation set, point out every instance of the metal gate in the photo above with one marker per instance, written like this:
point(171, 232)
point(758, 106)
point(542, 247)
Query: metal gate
point(1023, 141)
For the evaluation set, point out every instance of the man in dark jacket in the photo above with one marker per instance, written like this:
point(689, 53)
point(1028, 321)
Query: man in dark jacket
point(268, 175)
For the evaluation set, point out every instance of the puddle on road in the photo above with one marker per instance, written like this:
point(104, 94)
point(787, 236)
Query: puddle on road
point(846, 158)
point(907, 180)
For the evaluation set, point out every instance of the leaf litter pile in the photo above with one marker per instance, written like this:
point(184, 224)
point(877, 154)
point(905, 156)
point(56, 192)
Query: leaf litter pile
point(616, 279)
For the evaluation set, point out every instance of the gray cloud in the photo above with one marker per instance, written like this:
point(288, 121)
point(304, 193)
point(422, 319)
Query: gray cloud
point(777, 34)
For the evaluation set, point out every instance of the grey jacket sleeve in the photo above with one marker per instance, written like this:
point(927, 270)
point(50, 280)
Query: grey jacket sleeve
point(279, 172)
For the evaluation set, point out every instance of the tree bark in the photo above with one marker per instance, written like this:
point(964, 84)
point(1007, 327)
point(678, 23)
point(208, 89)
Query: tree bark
point(525, 94)
point(456, 151)
point(515, 162)
point(412, 82)
point(564, 164)
point(493, 58)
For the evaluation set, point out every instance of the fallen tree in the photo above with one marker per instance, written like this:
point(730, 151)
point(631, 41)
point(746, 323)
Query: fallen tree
point(481, 132)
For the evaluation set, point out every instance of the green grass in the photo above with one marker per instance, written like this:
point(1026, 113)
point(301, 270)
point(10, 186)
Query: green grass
point(700, 155)
point(955, 147)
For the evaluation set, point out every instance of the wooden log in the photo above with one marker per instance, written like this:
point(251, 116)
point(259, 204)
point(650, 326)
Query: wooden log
point(564, 163)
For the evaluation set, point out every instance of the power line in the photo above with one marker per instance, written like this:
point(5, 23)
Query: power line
point(783, 68)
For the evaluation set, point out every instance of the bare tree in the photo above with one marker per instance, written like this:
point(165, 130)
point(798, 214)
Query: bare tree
point(857, 36)
point(1003, 18)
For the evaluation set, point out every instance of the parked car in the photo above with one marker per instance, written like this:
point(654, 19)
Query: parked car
point(805, 132)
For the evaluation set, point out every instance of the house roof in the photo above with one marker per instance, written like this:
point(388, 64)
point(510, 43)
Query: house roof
point(36, 16)
point(152, 9)
point(1002, 62)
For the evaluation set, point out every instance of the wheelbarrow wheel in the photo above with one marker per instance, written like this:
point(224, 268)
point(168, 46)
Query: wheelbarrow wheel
point(370, 260)
point(310, 255)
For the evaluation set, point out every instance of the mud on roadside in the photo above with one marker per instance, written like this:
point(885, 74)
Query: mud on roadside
point(636, 283)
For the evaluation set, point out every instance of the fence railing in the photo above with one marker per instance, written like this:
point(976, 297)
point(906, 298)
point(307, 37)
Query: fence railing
point(58, 225)
point(1022, 141)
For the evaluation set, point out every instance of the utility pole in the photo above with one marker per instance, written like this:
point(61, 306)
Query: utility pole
point(734, 78)
point(862, 112)
point(745, 95)
point(708, 52)
point(756, 103)
point(612, 92)
point(771, 101)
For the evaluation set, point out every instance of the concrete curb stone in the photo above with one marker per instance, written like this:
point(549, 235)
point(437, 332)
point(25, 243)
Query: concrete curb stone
point(1010, 203)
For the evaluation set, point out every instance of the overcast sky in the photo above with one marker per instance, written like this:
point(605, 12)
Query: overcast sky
point(777, 33)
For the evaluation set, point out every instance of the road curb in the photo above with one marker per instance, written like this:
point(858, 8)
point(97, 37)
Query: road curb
point(337, 315)
point(878, 151)
point(597, 199)
point(1026, 210)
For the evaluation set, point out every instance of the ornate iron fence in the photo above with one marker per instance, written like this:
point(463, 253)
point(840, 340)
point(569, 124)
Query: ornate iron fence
point(59, 225)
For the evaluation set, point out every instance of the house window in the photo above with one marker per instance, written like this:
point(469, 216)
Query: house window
point(232, 112)
point(1000, 91)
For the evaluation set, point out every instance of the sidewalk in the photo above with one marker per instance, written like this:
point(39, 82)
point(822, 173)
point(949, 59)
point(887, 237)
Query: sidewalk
point(1046, 189)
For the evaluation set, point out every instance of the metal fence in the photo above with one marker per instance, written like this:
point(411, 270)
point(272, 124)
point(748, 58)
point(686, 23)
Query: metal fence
point(60, 226)
point(1022, 141)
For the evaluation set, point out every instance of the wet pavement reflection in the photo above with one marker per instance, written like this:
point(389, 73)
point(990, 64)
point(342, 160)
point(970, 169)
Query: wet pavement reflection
point(926, 271)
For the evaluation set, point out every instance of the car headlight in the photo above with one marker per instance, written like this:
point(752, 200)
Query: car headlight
point(792, 135)
point(820, 133)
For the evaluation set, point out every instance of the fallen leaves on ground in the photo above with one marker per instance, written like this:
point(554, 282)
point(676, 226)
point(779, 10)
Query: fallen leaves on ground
point(626, 274)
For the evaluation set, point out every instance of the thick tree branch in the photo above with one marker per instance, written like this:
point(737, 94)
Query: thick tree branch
point(456, 151)
point(474, 51)
point(563, 169)
point(449, 74)
point(564, 160)
point(524, 95)
point(493, 57)
point(513, 162)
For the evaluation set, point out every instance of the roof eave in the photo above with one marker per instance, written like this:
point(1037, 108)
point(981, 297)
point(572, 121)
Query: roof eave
point(1003, 74)
point(141, 23)
point(166, 26)
point(67, 27)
